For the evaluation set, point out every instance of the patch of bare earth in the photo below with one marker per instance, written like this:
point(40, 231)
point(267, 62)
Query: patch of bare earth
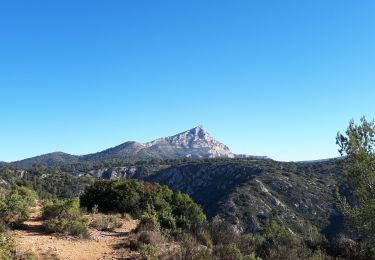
point(101, 244)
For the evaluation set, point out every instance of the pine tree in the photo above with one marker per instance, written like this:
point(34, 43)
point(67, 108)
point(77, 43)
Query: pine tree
point(358, 206)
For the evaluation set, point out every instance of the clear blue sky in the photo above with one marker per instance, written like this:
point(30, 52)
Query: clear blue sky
point(276, 78)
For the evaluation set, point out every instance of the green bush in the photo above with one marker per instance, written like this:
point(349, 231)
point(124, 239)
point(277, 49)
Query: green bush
point(190, 249)
point(126, 217)
point(76, 227)
point(15, 205)
point(275, 242)
point(106, 223)
point(222, 232)
point(64, 216)
point(167, 220)
point(6, 246)
point(156, 205)
point(94, 210)
point(148, 252)
point(227, 252)
point(280, 243)
point(188, 214)
point(123, 196)
point(15, 208)
point(248, 244)
point(149, 222)
point(61, 209)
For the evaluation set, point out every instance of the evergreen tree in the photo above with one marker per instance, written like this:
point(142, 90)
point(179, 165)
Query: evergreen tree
point(358, 205)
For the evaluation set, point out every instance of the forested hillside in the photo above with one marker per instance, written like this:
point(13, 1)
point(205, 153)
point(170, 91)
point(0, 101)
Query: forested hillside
point(246, 192)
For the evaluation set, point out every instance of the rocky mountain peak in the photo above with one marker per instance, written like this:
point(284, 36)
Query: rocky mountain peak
point(199, 132)
point(195, 139)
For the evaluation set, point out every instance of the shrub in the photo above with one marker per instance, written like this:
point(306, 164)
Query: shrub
point(94, 210)
point(153, 238)
point(188, 214)
point(203, 236)
point(148, 252)
point(150, 237)
point(222, 232)
point(344, 247)
point(6, 246)
point(280, 243)
point(248, 244)
point(67, 209)
point(149, 222)
point(227, 252)
point(107, 223)
point(15, 205)
point(156, 205)
point(252, 256)
point(126, 217)
point(3, 226)
point(313, 239)
point(167, 220)
point(75, 227)
point(190, 249)
point(121, 196)
point(64, 216)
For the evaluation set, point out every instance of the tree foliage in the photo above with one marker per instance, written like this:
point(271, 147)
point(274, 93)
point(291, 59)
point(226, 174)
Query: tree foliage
point(146, 201)
point(357, 146)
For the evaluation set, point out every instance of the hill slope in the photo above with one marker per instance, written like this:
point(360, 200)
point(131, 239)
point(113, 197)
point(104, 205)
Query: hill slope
point(246, 192)
point(50, 159)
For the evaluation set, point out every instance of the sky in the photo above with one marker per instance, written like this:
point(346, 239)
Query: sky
point(274, 78)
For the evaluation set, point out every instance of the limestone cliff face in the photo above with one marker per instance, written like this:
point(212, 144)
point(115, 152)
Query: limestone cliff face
point(196, 142)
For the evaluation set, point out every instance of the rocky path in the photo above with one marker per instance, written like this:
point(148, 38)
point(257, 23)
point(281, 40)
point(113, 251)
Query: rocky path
point(101, 245)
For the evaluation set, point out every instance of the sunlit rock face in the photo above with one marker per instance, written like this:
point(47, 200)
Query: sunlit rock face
point(196, 142)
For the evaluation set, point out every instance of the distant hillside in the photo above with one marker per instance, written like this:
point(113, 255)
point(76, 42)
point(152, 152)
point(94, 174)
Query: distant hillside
point(194, 143)
point(51, 159)
point(247, 192)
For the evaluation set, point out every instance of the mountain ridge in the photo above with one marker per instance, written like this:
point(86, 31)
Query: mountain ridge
point(193, 143)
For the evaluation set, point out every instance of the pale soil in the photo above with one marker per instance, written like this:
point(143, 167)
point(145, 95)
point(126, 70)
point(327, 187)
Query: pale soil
point(101, 245)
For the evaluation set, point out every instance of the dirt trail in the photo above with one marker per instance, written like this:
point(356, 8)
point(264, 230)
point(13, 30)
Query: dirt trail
point(101, 245)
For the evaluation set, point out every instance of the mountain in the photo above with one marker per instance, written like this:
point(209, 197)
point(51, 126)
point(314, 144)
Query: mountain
point(194, 143)
point(50, 159)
